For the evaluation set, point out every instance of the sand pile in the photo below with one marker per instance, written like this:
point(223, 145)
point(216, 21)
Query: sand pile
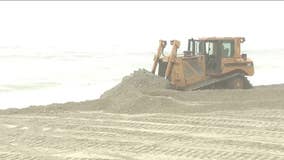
point(136, 82)
point(137, 93)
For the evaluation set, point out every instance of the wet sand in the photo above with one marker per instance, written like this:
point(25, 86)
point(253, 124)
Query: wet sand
point(140, 119)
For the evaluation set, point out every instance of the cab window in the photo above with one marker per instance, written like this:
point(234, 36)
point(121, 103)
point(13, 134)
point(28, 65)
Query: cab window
point(209, 48)
point(191, 46)
point(197, 47)
point(227, 49)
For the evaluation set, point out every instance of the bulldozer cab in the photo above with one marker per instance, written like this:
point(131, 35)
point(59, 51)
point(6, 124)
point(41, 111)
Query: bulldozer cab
point(213, 50)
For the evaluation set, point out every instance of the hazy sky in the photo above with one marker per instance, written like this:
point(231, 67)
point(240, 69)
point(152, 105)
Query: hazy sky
point(136, 26)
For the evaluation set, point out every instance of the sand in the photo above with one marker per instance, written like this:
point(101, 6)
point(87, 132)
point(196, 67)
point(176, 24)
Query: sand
point(141, 119)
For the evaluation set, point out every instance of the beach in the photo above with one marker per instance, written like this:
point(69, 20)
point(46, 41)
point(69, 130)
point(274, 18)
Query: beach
point(141, 119)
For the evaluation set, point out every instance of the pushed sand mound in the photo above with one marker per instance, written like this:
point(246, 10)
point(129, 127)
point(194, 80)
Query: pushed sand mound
point(130, 96)
point(137, 81)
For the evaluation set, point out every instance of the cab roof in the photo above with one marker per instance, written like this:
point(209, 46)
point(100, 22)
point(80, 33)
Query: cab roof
point(220, 38)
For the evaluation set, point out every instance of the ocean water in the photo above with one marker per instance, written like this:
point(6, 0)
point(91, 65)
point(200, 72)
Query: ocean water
point(34, 77)
point(269, 66)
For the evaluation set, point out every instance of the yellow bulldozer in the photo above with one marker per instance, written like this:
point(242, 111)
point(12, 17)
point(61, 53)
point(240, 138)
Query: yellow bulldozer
point(213, 62)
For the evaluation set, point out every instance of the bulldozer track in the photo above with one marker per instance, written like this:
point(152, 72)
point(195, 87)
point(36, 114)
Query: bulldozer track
point(220, 82)
point(94, 135)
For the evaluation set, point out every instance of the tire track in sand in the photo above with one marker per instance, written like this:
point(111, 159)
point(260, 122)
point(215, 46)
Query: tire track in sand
point(93, 135)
